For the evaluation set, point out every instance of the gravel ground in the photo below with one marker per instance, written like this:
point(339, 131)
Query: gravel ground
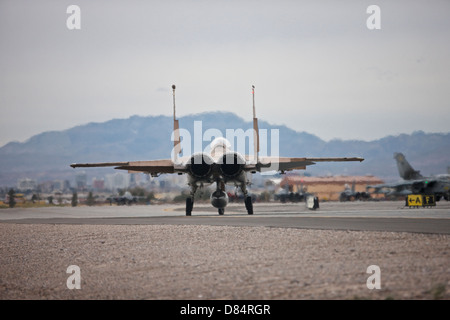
point(209, 262)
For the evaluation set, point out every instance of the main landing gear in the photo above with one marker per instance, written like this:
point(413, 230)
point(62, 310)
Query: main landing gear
point(249, 204)
point(189, 205)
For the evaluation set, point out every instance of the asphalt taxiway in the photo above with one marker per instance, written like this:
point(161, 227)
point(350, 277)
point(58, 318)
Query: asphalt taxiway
point(391, 216)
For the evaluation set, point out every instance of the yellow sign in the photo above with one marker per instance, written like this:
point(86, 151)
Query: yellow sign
point(420, 200)
point(414, 200)
point(429, 200)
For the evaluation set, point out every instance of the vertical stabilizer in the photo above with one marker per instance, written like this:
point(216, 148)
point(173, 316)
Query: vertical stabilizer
point(255, 129)
point(404, 168)
point(176, 131)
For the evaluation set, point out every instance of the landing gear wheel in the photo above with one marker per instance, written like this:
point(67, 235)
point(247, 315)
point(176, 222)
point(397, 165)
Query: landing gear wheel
point(189, 206)
point(221, 211)
point(249, 205)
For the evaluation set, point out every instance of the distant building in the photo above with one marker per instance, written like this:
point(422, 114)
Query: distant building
point(328, 188)
point(54, 186)
point(46, 187)
point(60, 185)
point(26, 184)
point(81, 180)
point(117, 180)
point(98, 184)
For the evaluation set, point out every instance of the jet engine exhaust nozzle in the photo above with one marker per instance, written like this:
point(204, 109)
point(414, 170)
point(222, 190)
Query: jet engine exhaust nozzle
point(232, 164)
point(200, 165)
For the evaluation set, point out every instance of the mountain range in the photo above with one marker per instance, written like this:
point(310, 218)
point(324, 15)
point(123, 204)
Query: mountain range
point(47, 156)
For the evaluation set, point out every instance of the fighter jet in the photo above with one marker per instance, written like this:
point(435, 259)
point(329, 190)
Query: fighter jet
point(221, 165)
point(127, 198)
point(350, 194)
point(287, 194)
point(414, 183)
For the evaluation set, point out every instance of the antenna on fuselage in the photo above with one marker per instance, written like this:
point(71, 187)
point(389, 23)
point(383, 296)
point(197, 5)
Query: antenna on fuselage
point(176, 130)
point(255, 129)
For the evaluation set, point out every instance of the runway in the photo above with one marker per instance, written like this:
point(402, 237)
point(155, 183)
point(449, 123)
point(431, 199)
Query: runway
point(282, 252)
point(390, 216)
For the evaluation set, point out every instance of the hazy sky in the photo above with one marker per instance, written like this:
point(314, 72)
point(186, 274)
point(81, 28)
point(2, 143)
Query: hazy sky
point(315, 64)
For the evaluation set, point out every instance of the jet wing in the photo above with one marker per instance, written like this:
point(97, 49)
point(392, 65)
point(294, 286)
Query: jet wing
point(421, 185)
point(153, 166)
point(288, 163)
point(412, 183)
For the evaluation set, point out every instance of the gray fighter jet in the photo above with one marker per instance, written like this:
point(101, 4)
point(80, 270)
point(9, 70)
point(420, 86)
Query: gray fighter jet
point(414, 183)
point(220, 166)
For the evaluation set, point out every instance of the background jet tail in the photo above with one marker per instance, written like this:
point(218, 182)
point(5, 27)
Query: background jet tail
point(255, 129)
point(404, 168)
point(176, 131)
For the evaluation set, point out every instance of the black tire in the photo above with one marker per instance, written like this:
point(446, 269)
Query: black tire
point(249, 205)
point(221, 211)
point(189, 206)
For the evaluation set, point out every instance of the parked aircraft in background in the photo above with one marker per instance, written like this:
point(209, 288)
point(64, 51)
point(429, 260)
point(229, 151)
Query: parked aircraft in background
point(126, 199)
point(414, 183)
point(221, 165)
point(286, 194)
point(349, 194)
